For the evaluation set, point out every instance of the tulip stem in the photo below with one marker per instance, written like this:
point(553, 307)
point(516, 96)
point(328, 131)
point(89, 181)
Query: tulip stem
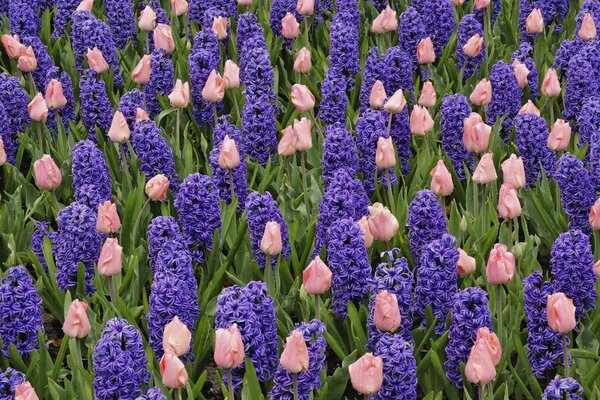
point(491, 390)
point(510, 235)
point(112, 290)
point(54, 201)
point(483, 206)
point(138, 219)
point(317, 306)
point(389, 190)
point(230, 384)
point(78, 356)
point(231, 186)
point(499, 310)
point(215, 113)
point(40, 136)
point(31, 83)
point(121, 150)
point(177, 126)
point(236, 106)
point(314, 121)
point(475, 205)
point(366, 397)
point(389, 129)
point(147, 43)
point(304, 184)
point(295, 386)
point(565, 355)
point(269, 279)
point(176, 394)
point(551, 110)
point(480, 391)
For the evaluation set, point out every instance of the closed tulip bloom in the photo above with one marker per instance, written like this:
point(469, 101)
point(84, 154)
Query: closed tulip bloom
point(587, 31)
point(521, 73)
point(2, 153)
point(54, 96)
point(231, 75)
point(24, 391)
point(119, 130)
point(480, 368)
point(420, 121)
point(441, 180)
point(141, 72)
point(163, 38)
point(303, 63)
point(38, 109)
point(428, 96)
point(597, 268)
point(46, 173)
point(303, 133)
point(366, 374)
point(244, 2)
point(509, 206)
point(179, 7)
point(485, 172)
point(27, 61)
point(110, 262)
point(271, 240)
point(214, 88)
point(513, 171)
point(108, 219)
point(481, 4)
point(363, 224)
point(172, 371)
point(180, 96)
point(551, 84)
point(387, 313)
point(396, 103)
point(561, 313)
point(595, 216)
point(466, 264)
point(529, 108)
point(12, 45)
point(229, 157)
point(294, 358)
point(385, 155)
point(147, 19)
point(386, 21)
point(85, 5)
point(177, 337)
point(229, 347)
point(535, 22)
point(96, 60)
point(157, 187)
point(77, 325)
point(302, 98)
point(219, 27)
point(476, 133)
point(560, 135)
point(493, 343)
point(287, 144)
point(316, 278)
point(141, 115)
point(482, 94)
point(305, 7)
point(290, 28)
point(425, 51)
point(382, 223)
point(457, 2)
point(473, 46)
point(500, 266)
point(377, 96)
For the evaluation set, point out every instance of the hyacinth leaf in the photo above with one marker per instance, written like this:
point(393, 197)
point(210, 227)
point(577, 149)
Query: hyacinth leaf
point(335, 384)
point(251, 389)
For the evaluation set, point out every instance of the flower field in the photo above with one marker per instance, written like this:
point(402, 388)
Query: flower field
point(299, 199)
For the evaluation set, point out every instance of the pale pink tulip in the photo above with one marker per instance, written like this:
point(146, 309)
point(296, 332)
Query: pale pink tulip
point(513, 171)
point(24, 391)
point(46, 173)
point(594, 217)
point(141, 72)
point(560, 135)
point(119, 129)
point(396, 103)
point(96, 60)
point(229, 157)
point(12, 45)
point(163, 38)
point(428, 96)
point(420, 121)
point(561, 313)
point(271, 240)
point(305, 7)
point(425, 51)
point(180, 96)
point(366, 374)
point(54, 96)
point(303, 133)
point(480, 368)
point(382, 223)
point(363, 224)
point(229, 347)
point(110, 262)
point(302, 98)
point(500, 267)
point(509, 206)
point(482, 94)
point(172, 371)
point(231, 75)
point(521, 73)
point(535, 22)
point(587, 31)
point(294, 357)
point(287, 144)
point(441, 180)
point(157, 187)
point(303, 63)
point(108, 220)
point(77, 325)
point(290, 28)
point(387, 313)
point(377, 96)
point(214, 88)
point(473, 46)
point(219, 27)
point(316, 278)
point(529, 108)
point(386, 21)
point(466, 264)
point(27, 62)
point(551, 84)
point(147, 19)
point(385, 155)
point(177, 337)
point(485, 172)
point(179, 7)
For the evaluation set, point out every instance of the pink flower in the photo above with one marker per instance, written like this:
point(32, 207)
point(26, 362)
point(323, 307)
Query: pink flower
point(595, 216)
point(119, 130)
point(387, 313)
point(509, 206)
point(535, 22)
point(2, 153)
point(229, 157)
point(386, 21)
point(366, 374)
point(231, 75)
point(473, 46)
point(180, 96)
point(482, 94)
point(441, 180)
point(597, 268)
point(110, 262)
point(12, 45)
point(500, 266)
point(420, 121)
point(521, 73)
point(480, 368)
point(382, 223)
point(363, 224)
point(303, 63)
point(77, 325)
point(157, 187)
point(176, 337)
point(561, 313)
point(457, 2)
point(141, 72)
point(147, 19)
point(560, 135)
point(244, 2)
point(96, 60)
point(294, 357)
point(476, 133)
point(466, 264)
point(493, 343)
point(179, 7)
point(163, 38)
point(396, 103)
point(24, 391)
point(303, 133)
point(108, 219)
point(290, 28)
point(316, 278)
point(385, 155)
point(485, 172)
point(587, 31)
point(214, 88)
point(38, 110)
point(229, 347)
point(287, 144)
point(46, 173)
point(271, 240)
point(85, 5)
point(55, 97)
point(428, 96)
point(305, 7)
point(551, 84)
point(172, 370)
point(481, 4)
point(529, 108)
point(513, 171)
point(141, 115)
point(302, 98)
point(378, 95)
point(425, 51)
point(219, 27)
point(27, 62)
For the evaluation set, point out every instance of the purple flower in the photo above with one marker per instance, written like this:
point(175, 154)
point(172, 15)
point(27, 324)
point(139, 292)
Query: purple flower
point(153, 394)
point(161, 80)
point(23, 18)
point(567, 50)
point(455, 108)
point(506, 97)
point(372, 71)
point(439, 21)
point(559, 389)
point(91, 178)
point(524, 54)
point(198, 8)
point(582, 83)
point(202, 61)
point(96, 110)
point(531, 136)
point(63, 15)
point(160, 231)
point(595, 159)
point(9, 138)
point(339, 152)
point(44, 62)
point(249, 36)
point(399, 368)
point(334, 101)
point(9, 379)
point(343, 47)
point(426, 222)
point(66, 113)
point(259, 128)
point(128, 105)
point(468, 27)
point(350, 9)
point(14, 99)
point(588, 122)
point(37, 242)
point(119, 14)
point(410, 32)
point(397, 71)
point(258, 74)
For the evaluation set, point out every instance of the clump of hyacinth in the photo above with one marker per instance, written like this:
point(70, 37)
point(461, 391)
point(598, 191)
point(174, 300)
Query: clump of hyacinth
point(343, 48)
point(120, 17)
point(372, 71)
point(174, 259)
point(350, 9)
point(120, 362)
point(154, 153)
point(399, 368)
point(259, 128)
point(96, 110)
point(262, 208)
point(14, 99)
point(572, 269)
point(439, 21)
point(410, 32)
point(44, 61)
point(401, 136)
point(567, 50)
point(128, 105)
point(581, 84)
point(62, 17)
point(455, 108)
point(544, 346)
point(9, 139)
point(279, 8)
point(524, 54)
point(40, 232)
point(397, 72)
point(345, 197)
point(426, 222)
point(202, 61)
point(20, 312)
point(161, 80)
point(254, 313)
point(506, 97)
point(468, 27)
point(310, 380)
point(23, 18)
point(470, 312)
point(577, 193)
point(91, 177)
point(348, 260)
point(77, 242)
point(250, 35)
point(594, 153)
point(152, 394)
point(198, 8)
point(334, 100)
point(531, 135)
point(198, 208)
point(9, 380)
point(339, 152)
point(588, 122)
point(160, 231)
point(566, 388)
point(259, 75)
point(396, 277)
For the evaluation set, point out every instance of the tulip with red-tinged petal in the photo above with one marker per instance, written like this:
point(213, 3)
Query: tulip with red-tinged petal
point(96, 60)
point(420, 121)
point(219, 27)
point(172, 371)
point(303, 134)
point(141, 72)
point(305, 7)
point(396, 103)
point(513, 171)
point(38, 109)
point(521, 73)
point(294, 357)
point(482, 94)
point(27, 62)
point(428, 96)
point(481, 4)
point(441, 180)
point(110, 262)
point(271, 240)
point(46, 173)
point(587, 31)
point(179, 7)
point(386, 21)
point(214, 88)
point(363, 224)
point(303, 62)
point(529, 108)
point(509, 206)
point(366, 374)
point(492, 341)
point(302, 98)
point(466, 264)
point(500, 267)
point(54, 95)
point(594, 217)
point(377, 96)
point(229, 157)
point(560, 135)
point(316, 278)
point(387, 313)
point(147, 19)
point(157, 187)
point(473, 46)
point(480, 368)
point(535, 22)
point(382, 223)
point(385, 155)
point(24, 391)
point(561, 313)
point(12, 45)
point(485, 172)
point(119, 129)
point(229, 347)
point(77, 325)
point(180, 96)
point(287, 144)
point(551, 84)
point(163, 38)
point(108, 220)
point(231, 75)
point(425, 51)
point(290, 28)
point(177, 337)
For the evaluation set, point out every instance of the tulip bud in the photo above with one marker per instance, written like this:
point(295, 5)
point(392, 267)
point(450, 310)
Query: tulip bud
point(38, 110)
point(141, 72)
point(493, 343)
point(387, 313)
point(287, 144)
point(500, 266)
point(302, 98)
point(110, 262)
point(485, 172)
point(587, 31)
point(428, 97)
point(172, 371)
point(179, 7)
point(180, 96)
point(363, 224)
point(441, 180)
point(420, 121)
point(108, 219)
point(77, 325)
point(476, 133)
point(425, 51)
point(385, 155)
point(480, 368)
point(386, 21)
point(163, 38)
point(594, 217)
point(396, 103)
point(551, 84)
point(529, 108)
point(513, 171)
point(46, 173)
point(466, 264)
point(535, 22)
point(382, 223)
point(231, 75)
point(561, 313)
point(85, 5)
point(176, 337)
point(271, 240)
point(55, 97)
point(12, 45)
point(96, 60)
point(157, 187)
point(482, 94)
point(316, 278)
point(509, 206)
point(141, 115)
point(303, 133)
point(214, 88)
point(229, 157)
point(481, 4)
point(366, 374)
point(377, 96)
point(305, 7)
point(27, 62)
point(119, 129)
point(560, 135)
point(229, 347)
point(290, 28)
point(219, 27)
point(521, 73)
point(303, 63)
point(473, 46)
point(294, 357)
point(24, 391)
point(147, 19)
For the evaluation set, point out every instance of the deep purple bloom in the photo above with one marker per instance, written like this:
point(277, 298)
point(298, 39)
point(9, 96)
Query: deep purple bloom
point(198, 8)
point(506, 97)
point(439, 21)
point(202, 61)
point(567, 50)
point(588, 122)
point(96, 110)
point(44, 62)
point(160, 231)
point(259, 128)
point(66, 113)
point(582, 83)
point(455, 108)
point(161, 81)
point(119, 14)
point(594, 154)
point(40, 232)
point(128, 105)
point(9, 380)
point(91, 178)
point(249, 36)
point(258, 74)
point(558, 389)
point(334, 101)
point(152, 394)
point(14, 99)
point(411, 31)
point(426, 222)
point(350, 9)
point(343, 48)
point(9, 138)
point(372, 71)
point(63, 15)
point(531, 136)
point(339, 152)
point(23, 18)
point(468, 27)
point(397, 71)
point(524, 54)
point(399, 368)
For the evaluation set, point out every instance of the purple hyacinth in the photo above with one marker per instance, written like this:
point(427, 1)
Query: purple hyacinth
point(262, 208)
point(198, 208)
point(531, 136)
point(344, 198)
point(524, 54)
point(154, 153)
point(397, 70)
point(468, 27)
point(20, 312)
point(259, 128)
point(558, 389)
point(567, 50)
point(198, 8)
point(339, 152)
point(24, 19)
point(334, 101)
point(506, 97)
point(258, 73)
point(153, 394)
point(470, 312)
point(40, 232)
point(577, 192)
point(9, 379)
point(372, 71)
point(396, 277)
point(63, 15)
point(128, 105)
point(455, 108)
point(161, 80)
point(544, 348)
point(120, 362)
point(160, 231)
point(582, 83)
point(67, 112)
point(343, 48)
point(350, 9)
point(96, 110)
point(249, 36)
point(437, 280)
point(309, 380)
point(14, 99)
point(9, 138)
point(91, 178)
point(572, 270)
point(496, 8)
point(401, 136)
point(411, 31)
point(44, 62)
point(588, 122)
point(174, 259)
point(438, 20)
point(399, 368)
point(254, 313)
point(426, 222)
point(594, 153)
point(348, 259)
point(279, 8)
point(202, 61)
point(119, 14)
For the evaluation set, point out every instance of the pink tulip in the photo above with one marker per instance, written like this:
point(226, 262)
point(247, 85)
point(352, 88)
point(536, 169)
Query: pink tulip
point(27, 62)
point(385, 155)
point(560, 135)
point(305, 7)
point(2, 153)
point(529, 108)
point(396, 103)
point(108, 219)
point(54, 96)
point(466, 264)
point(179, 7)
point(366, 374)
point(513, 171)
point(302, 98)
point(244, 2)
point(378, 95)
point(476, 134)
point(387, 313)
point(290, 28)
point(229, 157)
point(551, 84)
point(594, 217)
point(231, 75)
point(480, 368)
point(521, 73)
point(177, 337)
point(457, 2)
point(500, 266)
point(535, 22)
point(485, 172)
point(172, 371)
point(85, 5)
point(473, 46)
point(141, 115)
point(77, 325)
point(214, 88)
point(420, 121)
point(157, 187)
point(219, 27)
point(382, 223)
point(303, 63)
point(303, 133)
point(441, 180)
point(147, 19)
point(96, 60)
point(38, 109)
point(561, 313)
point(24, 391)
point(481, 4)
point(509, 206)
point(363, 224)
point(271, 240)
point(12, 45)
point(141, 72)
point(294, 357)
point(386, 21)
point(587, 31)
point(597, 268)
point(493, 343)
point(287, 144)
point(428, 97)
point(425, 51)
point(163, 38)
point(229, 347)
point(119, 129)
point(482, 94)
point(110, 262)
point(46, 173)
point(180, 96)
point(316, 278)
